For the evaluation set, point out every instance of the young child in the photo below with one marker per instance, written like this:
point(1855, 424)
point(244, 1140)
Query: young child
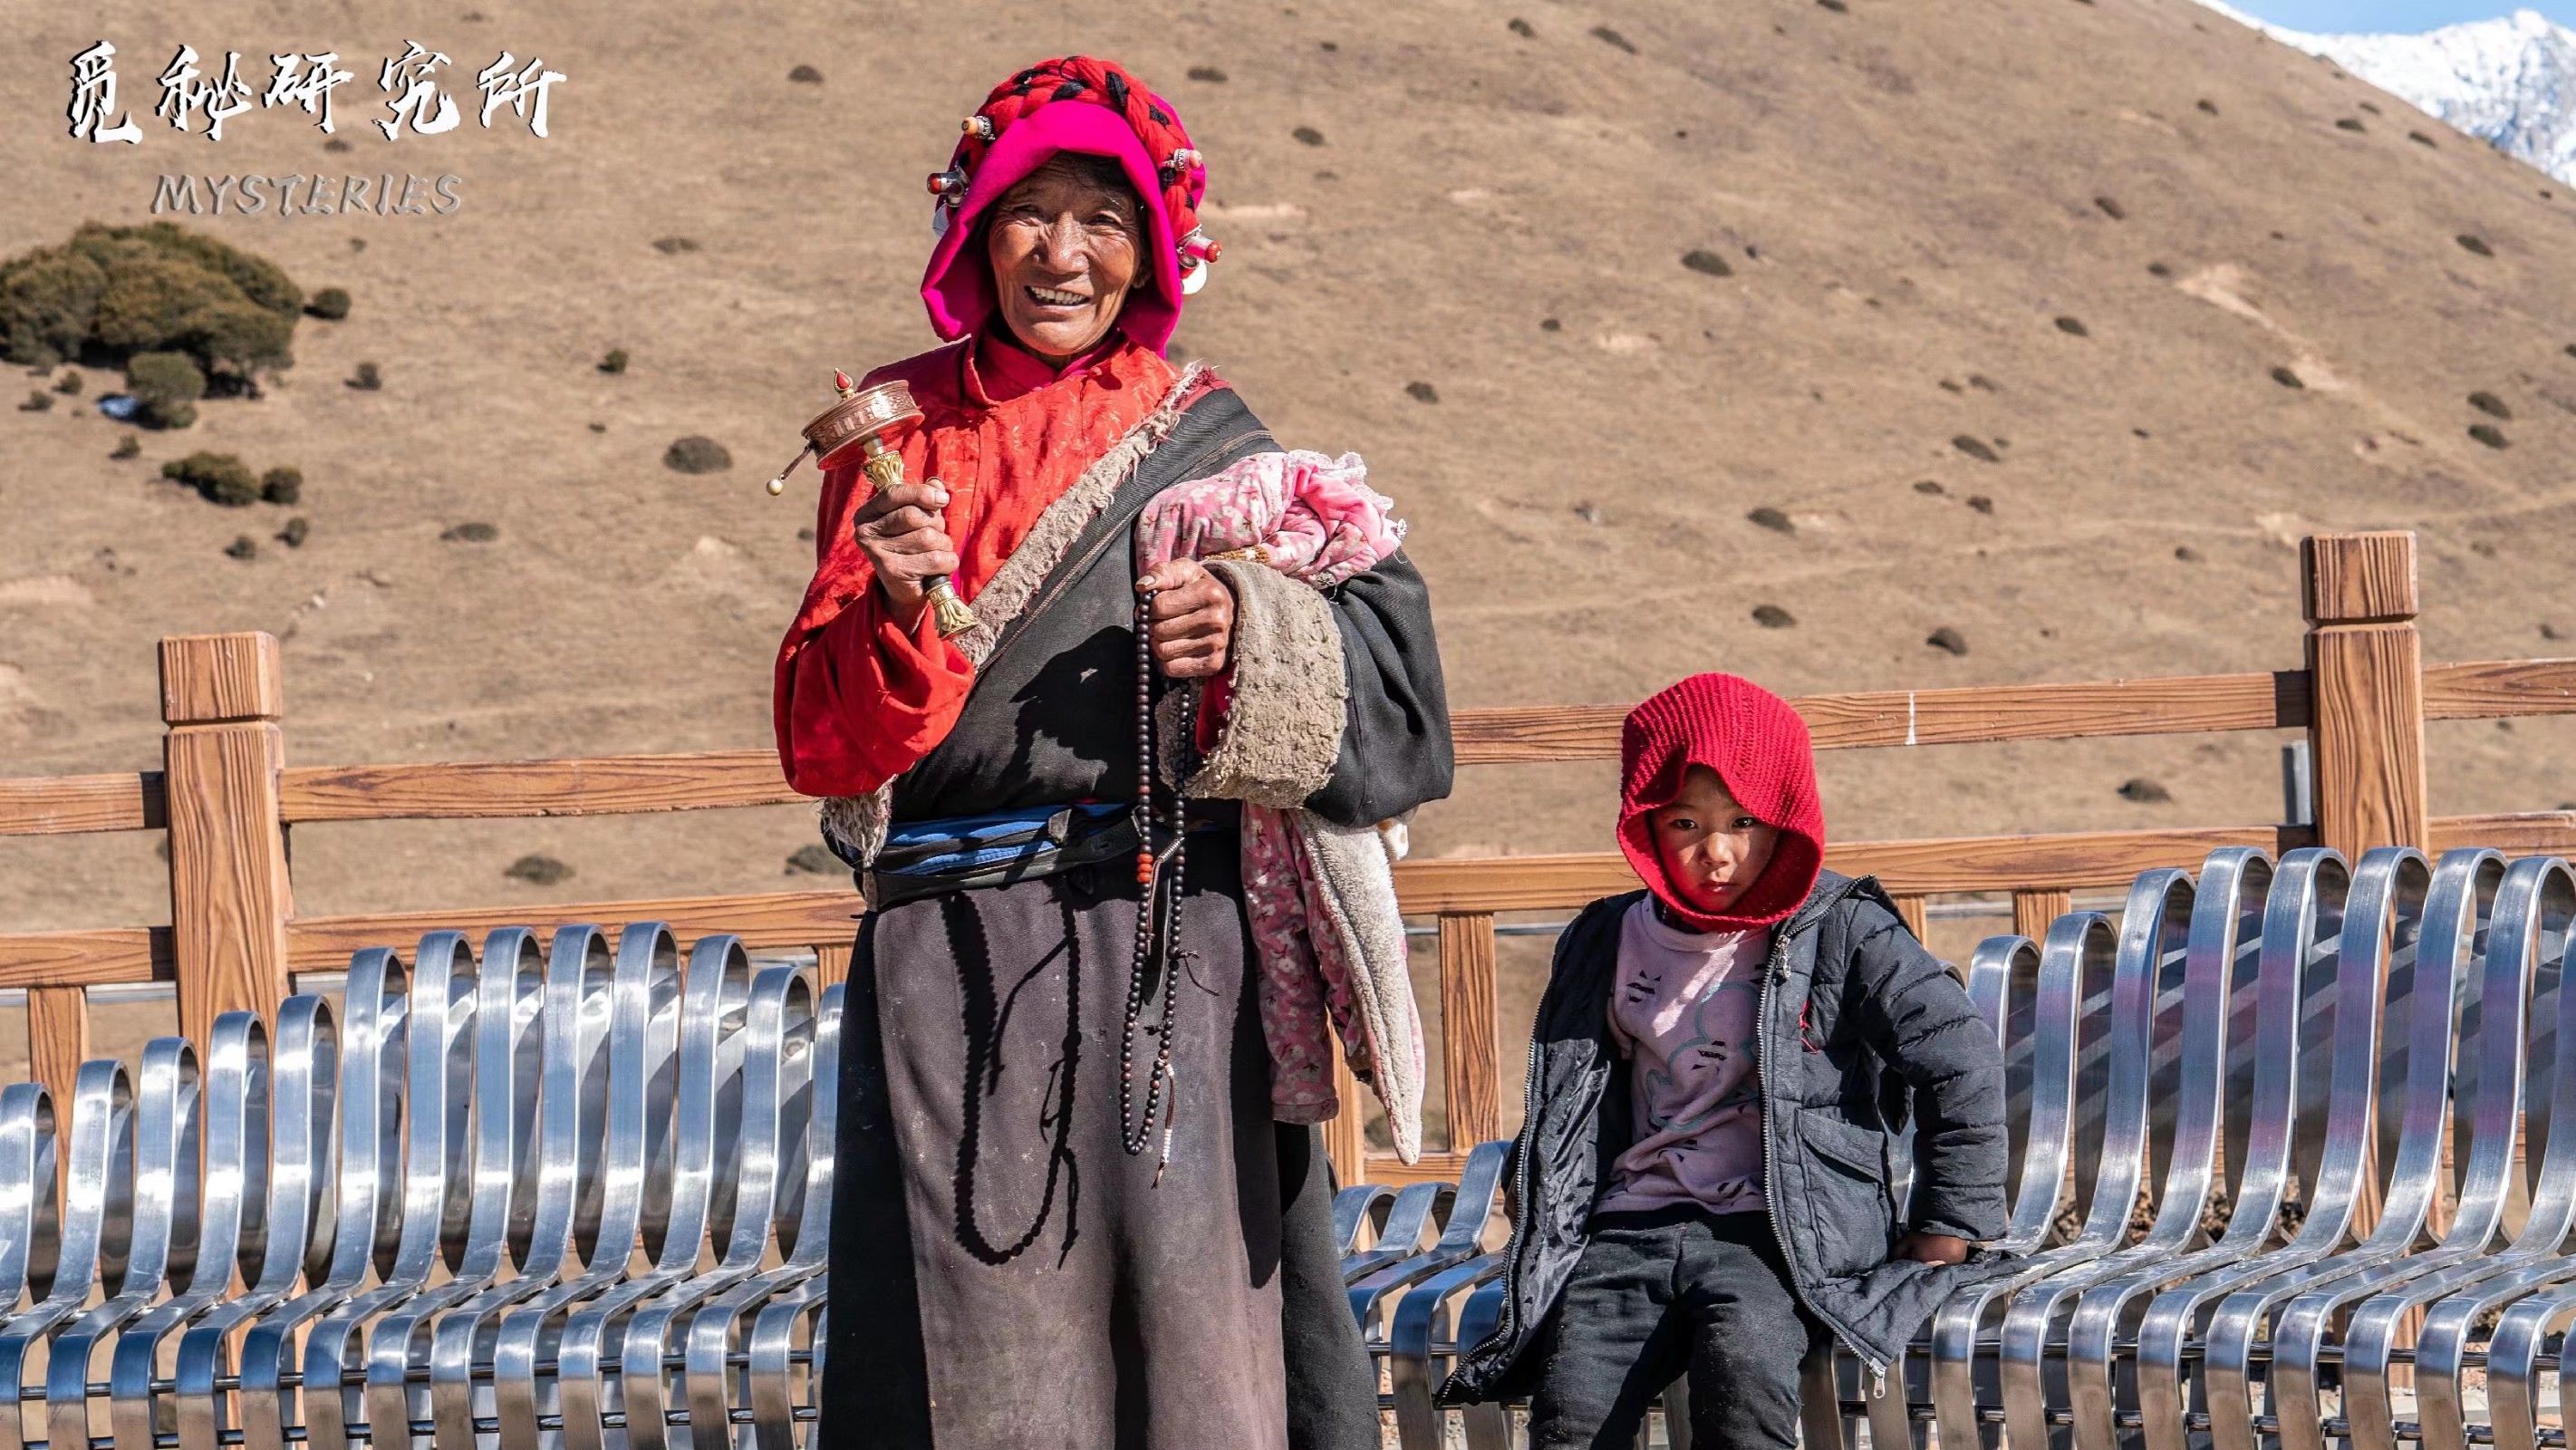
point(1706, 1174)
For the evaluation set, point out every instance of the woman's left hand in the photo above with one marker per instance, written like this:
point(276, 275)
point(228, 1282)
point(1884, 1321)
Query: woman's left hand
point(1191, 621)
point(1926, 1248)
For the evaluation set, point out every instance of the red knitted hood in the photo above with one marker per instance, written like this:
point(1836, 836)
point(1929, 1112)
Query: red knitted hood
point(1758, 745)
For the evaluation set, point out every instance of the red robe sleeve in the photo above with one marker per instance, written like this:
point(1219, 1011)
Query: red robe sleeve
point(856, 699)
point(1216, 697)
point(859, 700)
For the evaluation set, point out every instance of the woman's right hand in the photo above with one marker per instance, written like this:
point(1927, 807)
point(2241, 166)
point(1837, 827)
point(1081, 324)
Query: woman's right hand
point(899, 531)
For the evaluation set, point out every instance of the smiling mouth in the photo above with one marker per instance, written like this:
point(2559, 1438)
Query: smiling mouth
point(1050, 297)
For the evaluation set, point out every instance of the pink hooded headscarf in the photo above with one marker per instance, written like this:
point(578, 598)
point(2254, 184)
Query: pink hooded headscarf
point(1094, 108)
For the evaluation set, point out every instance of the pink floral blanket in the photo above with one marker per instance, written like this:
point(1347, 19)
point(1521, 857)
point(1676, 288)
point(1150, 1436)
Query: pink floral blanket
point(1316, 520)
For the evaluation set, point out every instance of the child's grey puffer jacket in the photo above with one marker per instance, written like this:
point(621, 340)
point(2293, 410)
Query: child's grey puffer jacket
point(1862, 1033)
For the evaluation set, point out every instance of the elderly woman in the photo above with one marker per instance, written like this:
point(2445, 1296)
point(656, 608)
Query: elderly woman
point(1107, 835)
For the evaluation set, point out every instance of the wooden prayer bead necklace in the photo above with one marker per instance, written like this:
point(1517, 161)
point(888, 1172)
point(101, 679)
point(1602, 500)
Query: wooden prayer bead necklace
point(1155, 899)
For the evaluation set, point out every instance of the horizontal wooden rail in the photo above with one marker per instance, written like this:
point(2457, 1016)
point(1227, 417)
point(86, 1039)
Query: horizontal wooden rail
point(1978, 714)
point(87, 958)
point(2536, 833)
point(1487, 884)
point(764, 922)
point(602, 786)
point(1972, 714)
point(1906, 868)
point(1524, 734)
point(1432, 1167)
point(1469, 885)
point(2064, 862)
point(70, 804)
point(2488, 689)
point(629, 784)
point(1938, 867)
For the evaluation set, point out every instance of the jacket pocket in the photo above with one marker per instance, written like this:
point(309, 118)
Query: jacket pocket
point(1859, 1151)
point(1849, 1202)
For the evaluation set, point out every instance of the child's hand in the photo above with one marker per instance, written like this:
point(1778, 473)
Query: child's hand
point(1932, 1249)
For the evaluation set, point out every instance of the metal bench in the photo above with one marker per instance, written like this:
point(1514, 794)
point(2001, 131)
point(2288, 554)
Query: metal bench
point(2295, 1156)
point(575, 1197)
point(2270, 1137)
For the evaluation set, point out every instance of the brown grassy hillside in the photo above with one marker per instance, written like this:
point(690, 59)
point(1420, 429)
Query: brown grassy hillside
point(2099, 241)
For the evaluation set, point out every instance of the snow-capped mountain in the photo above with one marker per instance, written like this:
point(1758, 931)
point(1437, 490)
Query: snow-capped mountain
point(2509, 81)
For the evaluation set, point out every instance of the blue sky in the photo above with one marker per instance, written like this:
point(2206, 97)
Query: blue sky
point(2396, 15)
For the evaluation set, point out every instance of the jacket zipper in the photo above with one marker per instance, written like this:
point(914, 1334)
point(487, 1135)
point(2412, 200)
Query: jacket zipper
point(1521, 1188)
point(1526, 1141)
point(1773, 972)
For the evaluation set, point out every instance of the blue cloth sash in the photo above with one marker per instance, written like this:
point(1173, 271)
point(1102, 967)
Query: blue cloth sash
point(974, 843)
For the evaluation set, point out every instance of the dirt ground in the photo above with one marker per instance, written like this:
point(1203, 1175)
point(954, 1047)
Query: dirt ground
point(2050, 323)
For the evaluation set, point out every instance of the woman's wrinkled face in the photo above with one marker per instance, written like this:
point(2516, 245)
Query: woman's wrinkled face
point(1712, 849)
point(1063, 245)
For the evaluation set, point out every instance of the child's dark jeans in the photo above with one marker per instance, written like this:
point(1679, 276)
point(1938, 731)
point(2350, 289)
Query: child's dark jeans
point(1659, 1293)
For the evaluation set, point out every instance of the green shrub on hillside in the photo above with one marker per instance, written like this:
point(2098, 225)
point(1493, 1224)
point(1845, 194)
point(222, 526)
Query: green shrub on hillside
point(47, 300)
point(118, 291)
point(219, 477)
point(154, 304)
point(260, 281)
point(330, 304)
point(168, 384)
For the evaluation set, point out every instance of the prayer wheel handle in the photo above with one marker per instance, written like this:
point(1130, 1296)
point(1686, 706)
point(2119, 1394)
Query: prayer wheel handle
point(859, 421)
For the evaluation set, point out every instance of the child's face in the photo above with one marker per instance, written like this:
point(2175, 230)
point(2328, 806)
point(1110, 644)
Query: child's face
point(1711, 848)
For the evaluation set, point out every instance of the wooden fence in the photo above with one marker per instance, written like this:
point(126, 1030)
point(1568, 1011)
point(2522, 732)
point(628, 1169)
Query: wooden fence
point(227, 798)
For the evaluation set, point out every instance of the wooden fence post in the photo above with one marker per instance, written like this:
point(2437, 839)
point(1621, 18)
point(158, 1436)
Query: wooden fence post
point(1910, 909)
point(1470, 1037)
point(1346, 1136)
point(2366, 682)
point(57, 1039)
point(57, 1045)
point(2035, 911)
point(2366, 713)
point(221, 695)
point(831, 964)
